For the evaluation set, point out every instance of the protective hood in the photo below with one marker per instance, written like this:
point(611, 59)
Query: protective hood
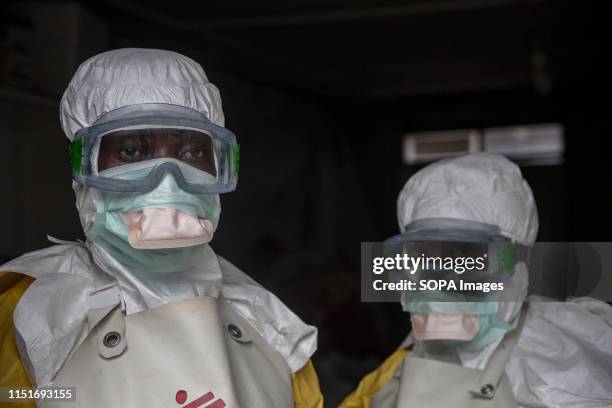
point(126, 77)
point(469, 196)
point(482, 187)
point(132, 76)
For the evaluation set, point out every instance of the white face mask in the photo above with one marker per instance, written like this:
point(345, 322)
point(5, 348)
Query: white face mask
point(160, 231)
point(445, 326)
point(159, 228)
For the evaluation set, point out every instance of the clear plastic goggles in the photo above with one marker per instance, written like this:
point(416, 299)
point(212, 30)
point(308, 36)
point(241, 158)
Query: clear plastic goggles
point(131, 149)
point(458, 256)
point(476, 261)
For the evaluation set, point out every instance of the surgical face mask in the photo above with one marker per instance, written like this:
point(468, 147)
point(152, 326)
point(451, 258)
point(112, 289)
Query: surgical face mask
point(444, 326)
point(493, 316)
point(159, 228)
point(468, 325)
point(159, 231)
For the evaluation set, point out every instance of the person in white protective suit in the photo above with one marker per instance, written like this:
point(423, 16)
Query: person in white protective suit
point(492, 352)
point(144, 313)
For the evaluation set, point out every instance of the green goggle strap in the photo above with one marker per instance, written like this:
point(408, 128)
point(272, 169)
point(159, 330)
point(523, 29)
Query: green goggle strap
point(513, 253)
point(236, 160)
point(76, 156)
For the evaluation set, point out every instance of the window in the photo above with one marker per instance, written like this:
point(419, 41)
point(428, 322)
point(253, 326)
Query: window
point(535, 145)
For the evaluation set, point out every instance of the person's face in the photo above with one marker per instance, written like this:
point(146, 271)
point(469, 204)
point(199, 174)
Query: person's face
point(135, 145)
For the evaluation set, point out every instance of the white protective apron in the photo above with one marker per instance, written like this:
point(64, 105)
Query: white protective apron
point(192, 353)
point(421, 382)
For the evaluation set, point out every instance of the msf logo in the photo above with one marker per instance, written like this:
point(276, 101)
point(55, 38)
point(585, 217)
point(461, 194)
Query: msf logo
point(181, 397)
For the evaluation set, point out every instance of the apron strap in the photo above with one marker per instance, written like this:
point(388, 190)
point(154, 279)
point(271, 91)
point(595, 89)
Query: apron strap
point(491, 376)
point(104, 316)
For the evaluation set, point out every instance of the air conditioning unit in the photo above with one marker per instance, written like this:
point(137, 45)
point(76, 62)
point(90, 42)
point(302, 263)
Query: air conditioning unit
point(536, 144)
point(423, 147)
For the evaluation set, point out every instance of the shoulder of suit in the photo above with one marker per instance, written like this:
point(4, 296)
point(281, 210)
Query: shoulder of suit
point(269, 316)
point(566, 346)
point(73, 259)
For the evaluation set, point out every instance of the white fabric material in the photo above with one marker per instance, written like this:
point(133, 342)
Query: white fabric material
point(563, 358)
point(241, 372)
point(480, 187)
point(143, 290)
point(437, 384)
point(50, 318)
point(131, 76)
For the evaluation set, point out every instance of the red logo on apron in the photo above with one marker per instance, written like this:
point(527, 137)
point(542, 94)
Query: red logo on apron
point(181, 397)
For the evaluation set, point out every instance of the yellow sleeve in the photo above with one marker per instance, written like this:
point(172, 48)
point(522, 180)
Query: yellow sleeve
point(373, 382)
point(306, 391)
point(12, 373)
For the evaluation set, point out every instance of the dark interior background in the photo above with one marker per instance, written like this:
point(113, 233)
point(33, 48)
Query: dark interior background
point(320, 94)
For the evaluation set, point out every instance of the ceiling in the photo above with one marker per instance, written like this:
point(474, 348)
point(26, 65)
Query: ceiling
point(382, 49)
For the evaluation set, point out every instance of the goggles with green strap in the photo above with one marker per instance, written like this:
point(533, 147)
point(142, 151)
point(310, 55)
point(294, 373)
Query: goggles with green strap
point(454, 250)
point(133, 148)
